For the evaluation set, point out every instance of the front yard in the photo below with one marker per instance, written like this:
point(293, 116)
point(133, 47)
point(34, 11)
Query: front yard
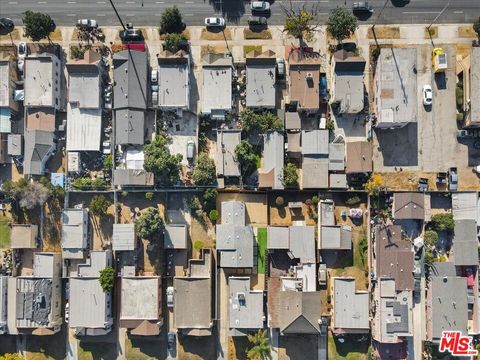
point(150, 347)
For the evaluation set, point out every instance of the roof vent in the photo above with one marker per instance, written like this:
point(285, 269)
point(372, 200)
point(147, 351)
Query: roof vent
point(309, 76)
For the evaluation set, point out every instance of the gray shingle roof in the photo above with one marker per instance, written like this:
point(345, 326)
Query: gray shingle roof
point(38, 146)
point(465, 243)
point(299, 312)
point(271, 173)
point(129, 127)
point(130, 79)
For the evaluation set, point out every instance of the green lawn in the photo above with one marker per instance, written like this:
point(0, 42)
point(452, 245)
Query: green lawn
point(4, 233)
point(138, 348)
point(262, 248)
point(360, 257)
point(96, 351)
point(355, 347)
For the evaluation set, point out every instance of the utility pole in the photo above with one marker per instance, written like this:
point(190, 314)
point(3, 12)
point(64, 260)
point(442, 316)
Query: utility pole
point(439, 14)
point(378, 17)
point(118, 16)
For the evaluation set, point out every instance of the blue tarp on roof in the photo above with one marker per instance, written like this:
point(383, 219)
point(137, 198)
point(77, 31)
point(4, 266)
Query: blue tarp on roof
point(58, 179)
point(5, 124)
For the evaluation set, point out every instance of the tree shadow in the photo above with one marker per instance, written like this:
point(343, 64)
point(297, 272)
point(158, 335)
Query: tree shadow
point(156, 255)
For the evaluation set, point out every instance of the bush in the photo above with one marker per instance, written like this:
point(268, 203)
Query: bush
point(459, 95)
point(175, 42)
point(199, 245)
point(315, 200)
point(290, 176)
point(247, 157)
point(195, 203)
point(149, 196)
point(77, 52)
point(430, 238)
point(107, 279)
point(108, 162)
point(353, 200)
point(442, 222)
point(209, 199)
point(254, 123)
point(376, 53)
point(99, 205)
point(213, 215)
point(279, 201)
point(204, 173)
point(89, 184)
point(149, 225)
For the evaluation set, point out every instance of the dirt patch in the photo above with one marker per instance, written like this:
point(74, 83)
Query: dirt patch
point(55, 36)
point(255, 204)
point(14, 35)
point(431, 33)
point(384, 32)
point(212, 49)
point(283, 215)
point(221, 35)
point(52, 231)
point(262, 35)
point(249, 48)
point(463, 50)
point(466, 31)
point(408, 180)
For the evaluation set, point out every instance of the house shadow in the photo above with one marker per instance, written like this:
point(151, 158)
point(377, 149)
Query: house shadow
point(202, 346)
point(399, 147)
point(337, 258)
point(153, 347)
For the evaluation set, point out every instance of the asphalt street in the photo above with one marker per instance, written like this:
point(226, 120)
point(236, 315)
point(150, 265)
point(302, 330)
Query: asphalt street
point(236, 12)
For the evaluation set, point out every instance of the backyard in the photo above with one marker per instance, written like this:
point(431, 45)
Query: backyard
point(262, 248)
point(283, 215)
point(354, 347)
point(4, 232)
point(96, 351)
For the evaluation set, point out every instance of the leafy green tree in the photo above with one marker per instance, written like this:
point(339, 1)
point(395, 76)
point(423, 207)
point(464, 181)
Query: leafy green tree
point(11, 356)
point(213, 215)
point(107, 279)
point(37, 26)
point(430, 238)
point(246, 157)
point(55, 192)
point(89, 184)
point(209, 199)
point(108, 162)
point(253, 123)
point(300, 23)
point(442, 222)
point(149, 196)
point(99, 205)
point(290, 176)
point(341, 23)
point(161, 163)
point(260, 349)
point(174, 42)
point(204, 172)
point(171, 21)
point(149, 224)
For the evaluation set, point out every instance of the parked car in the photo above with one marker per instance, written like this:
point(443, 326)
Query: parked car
point(190, 150)
point(322, 274)
point(154, 76)
point(20, 65)
point(107, 99)
point(260, 6)
point(171, 341)
point(215, 22)
point(452, 179)
point(67, 312)
point(257, 20)
point(131, 35)
point(155, 98)
point(427, 95)
point(87, 23)
point(170, 292)
point(362, 6)
point(107, 147)
point(323, 87)
point(22, 50)
point(155, 87)
point(281, 67)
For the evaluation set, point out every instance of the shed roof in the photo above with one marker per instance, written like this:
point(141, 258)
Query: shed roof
point(123, 237)
point(475, 84)
point(14, 144)
point(359, 157)
point(292, 121)
point(131, 177)
point(175, 236)
point(23, 236)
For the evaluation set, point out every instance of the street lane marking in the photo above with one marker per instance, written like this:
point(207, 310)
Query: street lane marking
point(101, 15)
point(159, 2)
point(71, 15)
point(188, 14)
point(458, 12)
point(189, 2)
point(421, 12)
point(71, 2)
point(42, 2)
point(13, 2)
point(130, 2)
point(100, 2)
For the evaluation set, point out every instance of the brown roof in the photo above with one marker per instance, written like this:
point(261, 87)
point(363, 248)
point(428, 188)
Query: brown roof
point(409, 206)
point(146, 328)
point(299, 312)
point(274, 285)
point(359, 157)
point(394, 256)
point(41, 119)
point(306, 92)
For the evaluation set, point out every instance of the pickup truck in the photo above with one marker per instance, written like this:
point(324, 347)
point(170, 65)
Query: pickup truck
point(452, 179)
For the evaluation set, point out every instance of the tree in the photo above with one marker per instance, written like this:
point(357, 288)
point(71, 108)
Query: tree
point(149, 224)
point(290, 176)
point(108, 162)
point(171, 21)
point(99, 205)
point(374, 184)
point(300, 23)
point(10, 356)
point(56, 192)
point(209, 199)
point(37, 26)
point(430, 238)
point(32, 195)
point(253, 123)
point(476, 27)
point(341, 23)
point(204, 172)
point(174, 42)
point(149, 196)
point(260, 349)
point(279, 201)
point(107, 279)
point(246, 157)
point(213, 215)
point(442, 222)
point(161, 163)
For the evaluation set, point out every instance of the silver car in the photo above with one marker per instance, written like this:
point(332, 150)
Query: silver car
point(215, 22)
point(260, 6)
point(170, 292)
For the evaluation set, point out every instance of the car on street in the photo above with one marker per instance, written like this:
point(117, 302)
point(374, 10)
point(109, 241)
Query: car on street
point(427, 95)
point(170, 292)
point(67, 312)
point(215, 22)
point(322, 274)
point(87, 23)
point(260, 6)
point(362, 6)
point(171, 341)
point(22, 50)
point(257, 20)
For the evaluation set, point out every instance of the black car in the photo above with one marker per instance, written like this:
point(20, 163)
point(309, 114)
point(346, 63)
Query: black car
point(131, 35)
point(362, 6)
point(171, 341)
point(257, 20)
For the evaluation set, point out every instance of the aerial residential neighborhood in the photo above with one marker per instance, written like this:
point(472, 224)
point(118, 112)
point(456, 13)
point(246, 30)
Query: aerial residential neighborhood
point(240, 179)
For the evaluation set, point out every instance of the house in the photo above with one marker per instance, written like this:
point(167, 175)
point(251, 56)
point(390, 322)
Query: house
point(8, 105)
point(175, 236)
point(336, 157)
point(315, 163)
point(193, 297)
point(235, 239)
point(395, 87)
point(350, 308)
point(348, 92)
point(90, 306)
point(35, 302)
point(74, 233)
point(39, 146)
point(125, 178)
point(174, 80)
point(466, 206)
point(123, 237)
point(304, 79)
point(471, 89)
point(43, 81)
point(14, 145)
point(227, 141)
point(335, 237)
point(270, 175)
point(3, 304)
point(359, 155)
point(84, 128)
point(409, 206)
point(130, 68)
point(141, 305)
point(246, 307)
point(23, 236)
point(465, 243)
point(217, 85)
point(261, 71)
point(299, 313)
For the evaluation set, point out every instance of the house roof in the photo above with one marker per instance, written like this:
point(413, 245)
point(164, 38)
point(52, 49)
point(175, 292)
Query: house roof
point(315, 142)
point(465, 205)
point(175, 236)
point(474, 84)
point(38, 144)
point(235, 244)
point(394, 256)
point(233, 212)
point(278, 237)
point(338, 181)
point(304, 74)
point(40, 118)
point(217, 83)
point(336, 156)
point(130, 177)
point(350, 307)
point(88, 303)
point(409, 206)
point(326, 213)
point(246, 306)
point(74, 232)
point(227, 141)
point(84, 128)
point(359, 157)
point(294, 140)
point(299, 312)
point(335, 237)
point(173, 79)
point(302, 243)
point(465, 243)
point(271, 173)
point(98, 261)
point(130, 75)
point(314, 173)
point(140, 298)
point(129, 126)
point(39, 80)
point(261, 70)
point(193, 302)
point(123, 237)
point(84, 81)
point(23, 236)
point(292, 121)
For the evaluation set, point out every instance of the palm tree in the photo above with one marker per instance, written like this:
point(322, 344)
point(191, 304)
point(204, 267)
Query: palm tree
point(260, 346)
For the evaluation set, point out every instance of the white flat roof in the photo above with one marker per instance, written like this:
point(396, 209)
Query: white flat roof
point(84, 89)
point(261, 85)
point(88, 303)
point(140, 298)
point(217, 88)
point(173, 81)
point(84, 128)
point(39, 80)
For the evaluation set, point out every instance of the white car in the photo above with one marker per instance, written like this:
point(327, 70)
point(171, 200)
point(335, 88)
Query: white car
point(154, 76)
point(87, 23)
point(215, 22)
point(67, 312)
point(259, 6)
point(155, 98)
point(20, 65)
point(427, 95)
point(22, 50)
point(170, 292)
